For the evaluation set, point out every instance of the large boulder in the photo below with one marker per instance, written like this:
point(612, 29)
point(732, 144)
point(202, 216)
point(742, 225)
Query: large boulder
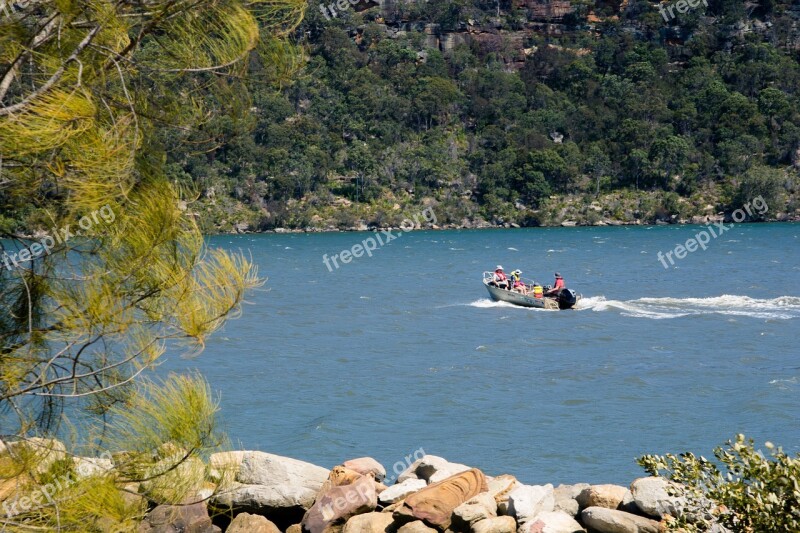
point(498, 524)
point(474, 510)
point(279, 488)
point(608, 496)
point(432, 469)
point(566, 498)
point(658, 497)
point(370, 523)
point(366, 466)
point(174, 518)
point(260, 468)
point(395, 493)
point(527, 501)
point(251, 523)
point(552, 522)
point(435, 503)
point(335, 504)
point(605, 520)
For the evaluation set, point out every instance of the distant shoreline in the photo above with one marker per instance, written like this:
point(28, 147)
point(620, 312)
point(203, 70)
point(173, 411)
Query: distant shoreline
point(446, 227)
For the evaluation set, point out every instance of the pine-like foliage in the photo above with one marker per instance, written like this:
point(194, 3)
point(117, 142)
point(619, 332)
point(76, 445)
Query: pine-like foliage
point(92, 96)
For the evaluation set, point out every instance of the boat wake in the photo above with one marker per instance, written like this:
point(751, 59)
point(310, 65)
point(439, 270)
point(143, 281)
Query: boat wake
point(486, 303)
point(783, 308)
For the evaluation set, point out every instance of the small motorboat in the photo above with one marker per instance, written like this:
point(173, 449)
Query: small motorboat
point(565, 299)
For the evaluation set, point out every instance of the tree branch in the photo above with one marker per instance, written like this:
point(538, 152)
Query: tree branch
point(54, 78)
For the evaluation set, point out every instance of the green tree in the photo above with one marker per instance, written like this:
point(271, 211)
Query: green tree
point(92, 96)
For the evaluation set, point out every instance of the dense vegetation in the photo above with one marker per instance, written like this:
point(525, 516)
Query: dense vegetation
point(742, 489)
point(646, 119)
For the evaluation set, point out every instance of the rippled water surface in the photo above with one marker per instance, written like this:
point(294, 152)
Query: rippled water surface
point(404, 350)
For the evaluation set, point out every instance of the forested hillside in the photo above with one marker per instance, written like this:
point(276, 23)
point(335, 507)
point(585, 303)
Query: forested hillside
point(526, 112)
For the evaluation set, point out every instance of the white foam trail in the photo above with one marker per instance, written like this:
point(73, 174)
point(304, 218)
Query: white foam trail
point(783, 308)
point(487, 303)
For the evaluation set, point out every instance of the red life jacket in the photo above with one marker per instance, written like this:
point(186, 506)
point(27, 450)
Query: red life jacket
point(500, 275)
point(559, 284)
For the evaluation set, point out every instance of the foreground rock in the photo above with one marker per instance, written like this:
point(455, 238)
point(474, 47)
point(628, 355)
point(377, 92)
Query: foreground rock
point(435, 503)
point(655, 496)
point(370, 523)
point(335, 504)
point(366, 466)
point(279, 488)
point(552, 522)
point(608, 496)
point(476, 509)
point(398, 492)
point(432, 469)
point(605, 520)
point(498, 524)
point(172, 518)
point(566, 498)
point(527, 501)
point(417, 526)
point(251, 523)
point(500, 487)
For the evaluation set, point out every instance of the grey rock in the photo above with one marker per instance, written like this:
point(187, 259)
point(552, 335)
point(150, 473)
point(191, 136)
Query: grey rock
point(605, 520)
point(262, 498)
point(656, 496)
point(260, 468)
point(175, 518)
point(527, 501)
point(566, 498)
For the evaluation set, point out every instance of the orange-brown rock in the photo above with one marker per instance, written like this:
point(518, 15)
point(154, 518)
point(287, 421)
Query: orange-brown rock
point(334, 505)
point(341, 475)
point(435, 503)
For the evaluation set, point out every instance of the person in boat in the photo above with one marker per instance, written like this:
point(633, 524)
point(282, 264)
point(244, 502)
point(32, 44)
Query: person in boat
point(499, 278)
point(557, 286)
point(517, 284)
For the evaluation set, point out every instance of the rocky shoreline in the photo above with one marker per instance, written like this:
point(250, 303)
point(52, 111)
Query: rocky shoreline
point(481, 225)
point(258, 492)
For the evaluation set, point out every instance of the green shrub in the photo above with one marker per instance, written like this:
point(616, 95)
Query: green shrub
point(749, 492)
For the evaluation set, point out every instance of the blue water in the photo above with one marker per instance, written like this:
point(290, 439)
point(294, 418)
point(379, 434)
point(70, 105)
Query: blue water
point(403, 350)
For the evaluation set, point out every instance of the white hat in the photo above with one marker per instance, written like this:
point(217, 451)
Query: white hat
point(499, 267)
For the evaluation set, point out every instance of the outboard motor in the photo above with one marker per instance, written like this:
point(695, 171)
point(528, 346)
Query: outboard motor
point(567, 299)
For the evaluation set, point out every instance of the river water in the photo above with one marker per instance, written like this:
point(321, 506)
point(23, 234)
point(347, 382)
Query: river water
point(404, 351)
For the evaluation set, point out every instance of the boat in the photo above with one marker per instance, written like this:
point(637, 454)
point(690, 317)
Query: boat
point(566, 298)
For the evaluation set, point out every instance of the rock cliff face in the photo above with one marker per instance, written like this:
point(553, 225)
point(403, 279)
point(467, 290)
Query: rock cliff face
point(546, 10)
point(549, 17)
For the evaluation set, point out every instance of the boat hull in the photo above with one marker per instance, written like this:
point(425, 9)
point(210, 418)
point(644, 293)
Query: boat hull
point(502, 295)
